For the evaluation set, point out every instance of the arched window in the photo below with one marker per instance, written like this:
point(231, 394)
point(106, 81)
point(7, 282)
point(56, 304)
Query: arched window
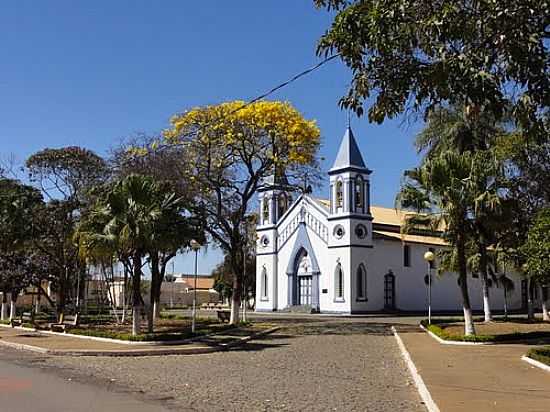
point(338, 283)
point(265, 210)
point(361, 282)
point(339, 194)
point(263, 284)
point(359, 194)
point(283, 204)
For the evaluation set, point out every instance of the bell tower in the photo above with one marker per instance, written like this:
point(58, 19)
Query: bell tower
point(274, 201)
point(350, 225)
point(350, 195)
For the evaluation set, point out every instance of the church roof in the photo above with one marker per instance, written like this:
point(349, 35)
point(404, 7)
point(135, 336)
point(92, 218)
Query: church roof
point(349, 154)
point(382, 217)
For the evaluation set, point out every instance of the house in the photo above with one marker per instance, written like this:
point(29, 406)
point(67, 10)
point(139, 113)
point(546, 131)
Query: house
point(343, 255)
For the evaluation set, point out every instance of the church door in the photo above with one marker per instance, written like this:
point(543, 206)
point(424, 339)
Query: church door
point(304, 290)
point(389, 291)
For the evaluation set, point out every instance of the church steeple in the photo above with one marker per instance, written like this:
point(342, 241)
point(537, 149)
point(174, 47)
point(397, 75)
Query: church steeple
point(274, 197)
point(349, 179)
point(349, 156)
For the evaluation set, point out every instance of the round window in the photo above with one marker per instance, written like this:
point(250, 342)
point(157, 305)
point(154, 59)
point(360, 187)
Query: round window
point(339, 231)
point(361, 231)
point(264, 241)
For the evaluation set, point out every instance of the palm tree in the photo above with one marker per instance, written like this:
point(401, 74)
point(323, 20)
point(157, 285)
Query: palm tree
point(438, 192)
point(122, 221)
point(466, 129)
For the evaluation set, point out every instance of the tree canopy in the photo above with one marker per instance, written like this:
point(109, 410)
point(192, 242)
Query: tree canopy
point(231, 148)
point(537, 248)
point(417, 54)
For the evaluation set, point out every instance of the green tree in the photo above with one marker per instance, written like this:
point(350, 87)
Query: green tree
point(176, 227)
point(438, 192)
point(18, 204)
point(536, 252)
point(133, 218)
point(457, 130)
point(231, 148)
point(64, 176)
point(415, 54)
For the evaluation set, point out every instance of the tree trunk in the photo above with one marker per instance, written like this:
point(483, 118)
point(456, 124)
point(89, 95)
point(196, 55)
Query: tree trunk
point(4, 312)
point(530, 306)
point(505, 304)
point(463, 280)
point(545, 314)
point(38, 297)
point(136, 294)
point(124, 285)
point(150, 318)
point(13, 304)
point(485, 284)
point(62, 295)
point(154, 293)
point(236, 301)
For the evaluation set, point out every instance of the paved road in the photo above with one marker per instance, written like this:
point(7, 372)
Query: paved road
point(314, 365)
point(27, 386)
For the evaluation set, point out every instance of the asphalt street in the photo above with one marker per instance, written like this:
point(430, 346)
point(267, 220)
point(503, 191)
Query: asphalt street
point(32, 388)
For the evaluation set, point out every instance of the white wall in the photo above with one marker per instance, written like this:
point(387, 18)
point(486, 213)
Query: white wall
point(411, 291)
point(385, 255)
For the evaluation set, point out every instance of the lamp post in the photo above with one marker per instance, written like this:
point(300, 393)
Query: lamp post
point(429, 257)
point(195, 246)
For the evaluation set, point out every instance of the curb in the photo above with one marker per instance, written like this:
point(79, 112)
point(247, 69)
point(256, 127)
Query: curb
point(121, 341)
point(418, 381)
point(453, 342)
point(196, 350)
point(535, 363)
point(19, 328)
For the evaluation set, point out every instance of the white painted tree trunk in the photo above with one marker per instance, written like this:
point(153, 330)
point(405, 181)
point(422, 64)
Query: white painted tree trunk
point(156, 310)
point(545, 314)
point(4, 310)
point(136, 320)
point(487, 309)
point(544, 303)
point(488, 317)
point(235, 310)
point(13, 310)
point(468, 322)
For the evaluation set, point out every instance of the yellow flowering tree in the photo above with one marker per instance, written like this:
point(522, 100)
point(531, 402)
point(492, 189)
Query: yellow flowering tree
point(230, 148)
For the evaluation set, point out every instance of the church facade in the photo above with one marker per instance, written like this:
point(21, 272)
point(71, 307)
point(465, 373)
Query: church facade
point(344, 255)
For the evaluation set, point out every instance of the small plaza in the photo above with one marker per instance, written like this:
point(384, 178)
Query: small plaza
point(316, 205)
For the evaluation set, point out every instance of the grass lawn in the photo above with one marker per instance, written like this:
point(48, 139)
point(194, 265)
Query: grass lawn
point(496, 331)
point(165, 329)
point(540, 354)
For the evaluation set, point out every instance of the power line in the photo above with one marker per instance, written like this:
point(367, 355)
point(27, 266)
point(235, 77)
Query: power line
point(271, 91)
point(263, 95)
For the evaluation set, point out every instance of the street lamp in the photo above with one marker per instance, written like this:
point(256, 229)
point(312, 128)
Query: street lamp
point(429, 257)
point(195, 246)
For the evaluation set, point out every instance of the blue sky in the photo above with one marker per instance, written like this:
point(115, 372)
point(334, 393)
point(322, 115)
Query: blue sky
point(92, 73)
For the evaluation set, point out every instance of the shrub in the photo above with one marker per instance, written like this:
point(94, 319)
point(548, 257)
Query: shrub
point(438, 328)
point(540, 354)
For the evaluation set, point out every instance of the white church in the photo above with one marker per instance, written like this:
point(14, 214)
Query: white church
point(343, 255)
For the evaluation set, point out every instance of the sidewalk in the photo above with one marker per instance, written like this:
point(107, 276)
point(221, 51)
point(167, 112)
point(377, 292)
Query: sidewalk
point(477, 378)
point(58, 344)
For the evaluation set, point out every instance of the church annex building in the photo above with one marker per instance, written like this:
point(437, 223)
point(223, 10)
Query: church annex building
point(343, 255)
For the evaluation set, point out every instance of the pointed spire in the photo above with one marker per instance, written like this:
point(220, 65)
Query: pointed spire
point(349, 155)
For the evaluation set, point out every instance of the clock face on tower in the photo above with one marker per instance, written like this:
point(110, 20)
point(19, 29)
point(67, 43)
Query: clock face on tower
point(360, 231)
